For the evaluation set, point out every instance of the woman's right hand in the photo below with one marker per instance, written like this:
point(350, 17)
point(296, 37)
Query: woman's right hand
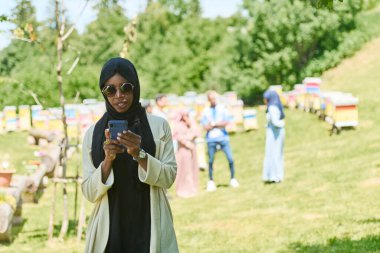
point(111, 147)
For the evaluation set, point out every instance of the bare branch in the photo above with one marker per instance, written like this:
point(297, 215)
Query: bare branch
point(35, 97)
point(76, 97)
point(64, 37)
point(30, 92)
point(22, 39)
point(62, 30)
point(75, 63)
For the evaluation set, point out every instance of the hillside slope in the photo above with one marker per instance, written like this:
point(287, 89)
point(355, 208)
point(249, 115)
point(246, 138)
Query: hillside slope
point(329, 200)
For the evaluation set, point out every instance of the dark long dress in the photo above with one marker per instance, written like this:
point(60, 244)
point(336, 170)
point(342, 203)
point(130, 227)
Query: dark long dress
point(129, 206)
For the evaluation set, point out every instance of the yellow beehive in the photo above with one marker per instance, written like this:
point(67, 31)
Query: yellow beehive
point(315, 103)
point(250, 119)
point(55, 119)
point(73, 132)
point(10, 117)
point(346, 115)
point(24, 117)
point(342, 110)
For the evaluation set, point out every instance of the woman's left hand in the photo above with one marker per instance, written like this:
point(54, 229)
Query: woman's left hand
point(131, 141)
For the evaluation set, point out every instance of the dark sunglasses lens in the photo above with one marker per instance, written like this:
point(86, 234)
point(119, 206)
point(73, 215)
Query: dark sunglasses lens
point(109, 91)
point(126, 88)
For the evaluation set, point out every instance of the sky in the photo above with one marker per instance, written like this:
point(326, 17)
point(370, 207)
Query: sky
point(210, 8)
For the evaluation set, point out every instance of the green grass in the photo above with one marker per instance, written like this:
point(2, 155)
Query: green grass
point(329, 201)
point(14, 148)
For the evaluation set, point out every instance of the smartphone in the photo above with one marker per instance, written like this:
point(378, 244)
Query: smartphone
point(117, 126)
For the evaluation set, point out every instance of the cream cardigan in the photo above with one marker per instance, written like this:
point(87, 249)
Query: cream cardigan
point(160, 174)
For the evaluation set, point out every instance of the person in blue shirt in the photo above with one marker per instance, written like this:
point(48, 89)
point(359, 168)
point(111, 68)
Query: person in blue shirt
point(273, 168)
point(214, 120)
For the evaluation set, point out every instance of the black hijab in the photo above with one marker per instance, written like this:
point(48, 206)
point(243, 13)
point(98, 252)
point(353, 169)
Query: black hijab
point(128, 198)
point(136, 115)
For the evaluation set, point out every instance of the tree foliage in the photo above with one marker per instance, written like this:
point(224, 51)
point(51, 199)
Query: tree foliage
point(176, 49)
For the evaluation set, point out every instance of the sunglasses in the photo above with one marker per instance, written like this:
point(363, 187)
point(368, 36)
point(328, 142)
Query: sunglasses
point(110, 90)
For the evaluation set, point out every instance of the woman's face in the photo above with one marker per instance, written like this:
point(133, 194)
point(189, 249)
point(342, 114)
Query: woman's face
point(120, 101)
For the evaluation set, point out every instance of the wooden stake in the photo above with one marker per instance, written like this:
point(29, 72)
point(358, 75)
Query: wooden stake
point(52, 214)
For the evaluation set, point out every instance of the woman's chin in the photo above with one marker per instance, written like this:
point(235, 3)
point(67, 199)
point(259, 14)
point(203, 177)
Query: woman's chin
point(121, 108)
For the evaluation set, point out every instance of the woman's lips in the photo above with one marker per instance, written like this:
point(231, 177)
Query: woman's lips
point(121, 104)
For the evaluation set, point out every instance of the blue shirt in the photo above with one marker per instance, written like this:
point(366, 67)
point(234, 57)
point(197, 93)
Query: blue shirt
point(213, 115)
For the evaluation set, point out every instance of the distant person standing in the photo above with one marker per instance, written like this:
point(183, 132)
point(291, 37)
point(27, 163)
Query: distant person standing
point(159, 110)
point(273, 171)
point(147, 106)
point(214, 120)
point(185, 132)
point(161, 103)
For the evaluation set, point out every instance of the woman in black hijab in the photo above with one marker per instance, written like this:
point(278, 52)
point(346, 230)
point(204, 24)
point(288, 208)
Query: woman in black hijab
point(126, 177)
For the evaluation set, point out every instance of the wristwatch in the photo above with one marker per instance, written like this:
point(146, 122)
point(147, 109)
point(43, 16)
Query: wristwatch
point(141, 155)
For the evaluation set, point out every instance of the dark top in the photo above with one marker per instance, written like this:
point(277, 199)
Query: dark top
point(129, 206)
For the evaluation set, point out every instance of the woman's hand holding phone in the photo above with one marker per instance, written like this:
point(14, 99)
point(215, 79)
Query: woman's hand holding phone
point(111, 147)
point(131, 141)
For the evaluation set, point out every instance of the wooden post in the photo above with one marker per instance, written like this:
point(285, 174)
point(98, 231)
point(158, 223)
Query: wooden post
point(65, 220)
point(61, 37)
point(52, 213)
point(81, 219)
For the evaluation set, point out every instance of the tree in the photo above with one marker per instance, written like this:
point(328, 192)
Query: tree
point(104, 34)
point(280, 48)
point(24, 13)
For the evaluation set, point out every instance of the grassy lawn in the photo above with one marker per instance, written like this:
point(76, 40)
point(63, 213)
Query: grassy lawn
point(14, 148)
point(328, 202)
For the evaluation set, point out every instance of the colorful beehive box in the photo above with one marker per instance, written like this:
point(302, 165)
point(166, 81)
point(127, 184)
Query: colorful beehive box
point(230, 97)
point(98, 110)
point(24, 117)
point(85, 118)
point(55, 119)
point(250, 119)
point(39, 119)
point(10, 117)
point(345, 111)
point(200, 104)
point(312, 87)
point(300, 91)
point(325, 102)
point(236, 110)
point(72, 120)
point(315, 103)
point(290, 99)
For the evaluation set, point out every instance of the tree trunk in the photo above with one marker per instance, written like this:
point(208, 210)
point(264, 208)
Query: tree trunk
point(60, 27)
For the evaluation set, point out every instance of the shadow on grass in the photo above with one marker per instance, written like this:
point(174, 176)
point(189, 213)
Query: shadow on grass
point(39, 194)
point(371, 220)
point(72, 230)
point(16, 229)
point(340, 245)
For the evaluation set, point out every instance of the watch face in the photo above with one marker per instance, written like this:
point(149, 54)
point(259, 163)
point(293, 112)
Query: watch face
point(142, 154)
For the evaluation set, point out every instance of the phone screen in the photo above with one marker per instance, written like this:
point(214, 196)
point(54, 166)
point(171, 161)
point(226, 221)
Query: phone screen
point(117, 126)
